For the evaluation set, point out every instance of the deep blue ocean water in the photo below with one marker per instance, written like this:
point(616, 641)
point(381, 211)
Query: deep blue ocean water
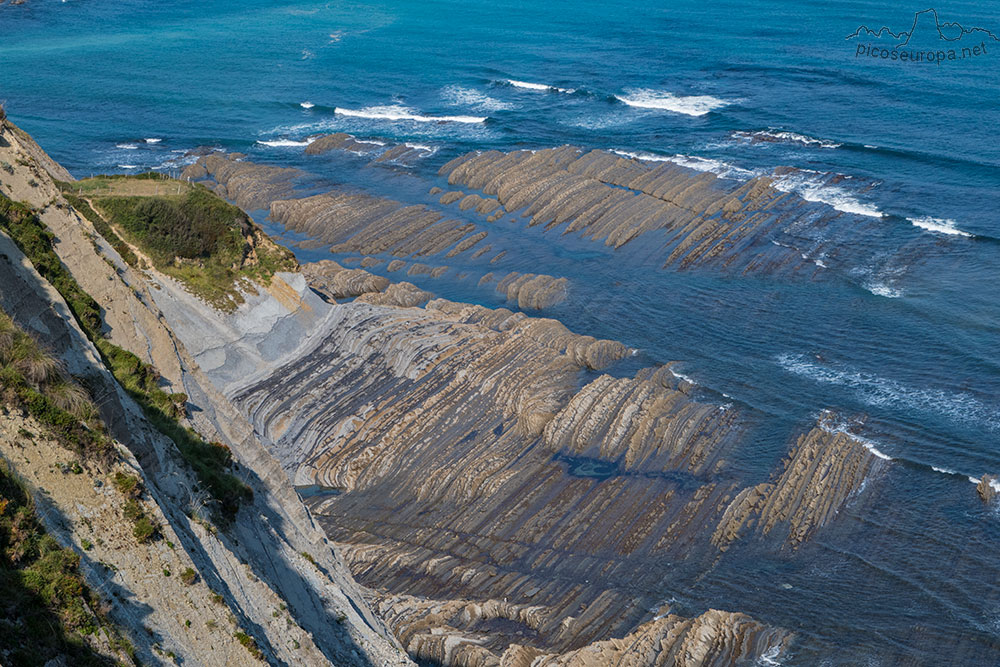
point(906, 337)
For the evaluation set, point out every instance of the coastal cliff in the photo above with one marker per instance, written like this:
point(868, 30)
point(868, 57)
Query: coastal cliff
point(254, 586)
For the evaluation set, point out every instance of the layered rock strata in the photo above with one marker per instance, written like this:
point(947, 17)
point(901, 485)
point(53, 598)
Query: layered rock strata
point(510, 503)
point(821, 473)
point(608, 198)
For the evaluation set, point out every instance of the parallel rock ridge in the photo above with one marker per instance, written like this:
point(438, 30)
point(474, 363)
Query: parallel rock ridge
point(506, 513)
point(612, 199)
point(509, 504)
point(456, 633)
point(824, 469)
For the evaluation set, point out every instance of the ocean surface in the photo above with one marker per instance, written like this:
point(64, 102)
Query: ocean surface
point(901, 339)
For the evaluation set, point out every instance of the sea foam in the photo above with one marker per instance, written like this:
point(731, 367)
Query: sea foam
point(841, 427)
point(401, 113)
point(459, 95)
point(717, 167)
point(883, 392)
point(690, 105)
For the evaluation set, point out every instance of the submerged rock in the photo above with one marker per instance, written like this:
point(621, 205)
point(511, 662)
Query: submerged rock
point(988, 488)
point(532, 291)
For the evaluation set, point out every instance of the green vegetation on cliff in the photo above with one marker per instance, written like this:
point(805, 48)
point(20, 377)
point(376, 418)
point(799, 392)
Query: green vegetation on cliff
point(32, 379)
point(46, 608)
point(210, 461)
point(187, 232)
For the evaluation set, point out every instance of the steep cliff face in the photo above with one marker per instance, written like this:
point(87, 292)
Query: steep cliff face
point(272, 568)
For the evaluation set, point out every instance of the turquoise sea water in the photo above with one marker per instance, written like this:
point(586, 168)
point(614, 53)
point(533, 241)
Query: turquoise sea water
point(904, 334)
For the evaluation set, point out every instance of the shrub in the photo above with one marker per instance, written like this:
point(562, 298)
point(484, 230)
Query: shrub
point(44, 600)
point(249, 643)
point(128, 485)
point(34, 380)
point(144, 530)
point(189, 576)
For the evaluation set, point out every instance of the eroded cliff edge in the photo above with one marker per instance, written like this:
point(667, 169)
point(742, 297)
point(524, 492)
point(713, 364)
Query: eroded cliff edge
point(274, 573)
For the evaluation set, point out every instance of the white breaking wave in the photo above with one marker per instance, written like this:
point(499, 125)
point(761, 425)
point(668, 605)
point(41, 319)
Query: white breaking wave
point(994, 484)
point(153, 140)
point(421, 147)
point(881, 289)
point(681, 376)
point(539, 86)
point(790, 137)
point(690, 105)
point(870, 445)
point(128, 147)
point(938, 225)
point(284, 143)
point(717, 167)
point(811, 187)
point(457, 95)
point(646, 157)
point(306, 105)
point(946, 471)
point(397, 113)
point(127, 166)
point(883, 392)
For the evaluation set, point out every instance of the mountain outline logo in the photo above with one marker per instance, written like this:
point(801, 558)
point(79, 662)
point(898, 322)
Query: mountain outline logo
point(956, 30)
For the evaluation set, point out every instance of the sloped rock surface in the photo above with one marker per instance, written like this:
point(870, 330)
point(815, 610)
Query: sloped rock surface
point(337, 282)
point(821, 473)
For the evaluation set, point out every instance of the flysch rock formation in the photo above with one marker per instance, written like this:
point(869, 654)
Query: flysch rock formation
point(359, 223)
point(988, 488)
point(337, 282)
point(507, 504)
point(532, 291)
point(469, 461)
point(478, 486)
point(433, 630)
point(820, 475)
point(695, 220)
point(256, 565)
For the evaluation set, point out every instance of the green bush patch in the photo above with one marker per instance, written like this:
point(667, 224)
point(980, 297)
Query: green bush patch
point(194, 236)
